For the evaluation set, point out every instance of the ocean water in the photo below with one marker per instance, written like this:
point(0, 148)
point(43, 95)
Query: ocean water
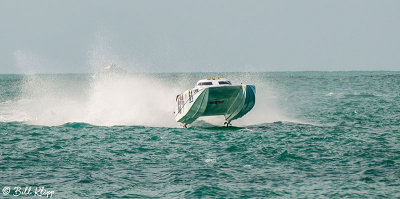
point(113, 135)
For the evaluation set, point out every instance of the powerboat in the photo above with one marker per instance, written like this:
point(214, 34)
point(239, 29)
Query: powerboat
point(214, 96)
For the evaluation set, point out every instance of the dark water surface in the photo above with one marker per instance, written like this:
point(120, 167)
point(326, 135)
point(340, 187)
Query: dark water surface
point(343, 143)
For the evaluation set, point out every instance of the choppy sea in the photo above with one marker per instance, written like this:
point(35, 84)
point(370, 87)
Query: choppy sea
point(310, 135)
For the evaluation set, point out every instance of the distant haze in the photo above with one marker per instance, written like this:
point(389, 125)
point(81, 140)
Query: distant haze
point(77, 36)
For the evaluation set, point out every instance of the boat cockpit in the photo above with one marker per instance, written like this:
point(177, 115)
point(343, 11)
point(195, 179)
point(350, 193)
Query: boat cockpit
point(211, 82)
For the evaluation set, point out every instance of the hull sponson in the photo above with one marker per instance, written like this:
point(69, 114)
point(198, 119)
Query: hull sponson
point(191, 111)
point(249, 102)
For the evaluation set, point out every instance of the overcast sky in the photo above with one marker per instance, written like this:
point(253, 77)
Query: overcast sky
point(179, 36)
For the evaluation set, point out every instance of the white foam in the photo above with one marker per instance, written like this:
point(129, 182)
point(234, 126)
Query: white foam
point(115, 99)
point(130, 100)
point(120, 98)
point(210, 160)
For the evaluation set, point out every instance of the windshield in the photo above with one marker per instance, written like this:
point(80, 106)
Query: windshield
point(224, 83)
point(204, 83)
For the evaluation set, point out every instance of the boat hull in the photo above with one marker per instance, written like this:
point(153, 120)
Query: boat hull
point(232, 102)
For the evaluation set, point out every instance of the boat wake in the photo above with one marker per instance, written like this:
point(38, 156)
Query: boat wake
point(104, 99)
point(116, 97)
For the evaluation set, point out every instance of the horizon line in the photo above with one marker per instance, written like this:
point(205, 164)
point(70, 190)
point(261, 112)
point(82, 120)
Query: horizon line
point(294, 71)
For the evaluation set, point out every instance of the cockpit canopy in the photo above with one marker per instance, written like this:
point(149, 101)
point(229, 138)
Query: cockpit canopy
point(213, 82)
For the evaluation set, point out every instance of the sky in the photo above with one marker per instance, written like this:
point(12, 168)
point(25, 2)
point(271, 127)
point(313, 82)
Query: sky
point(80, 36)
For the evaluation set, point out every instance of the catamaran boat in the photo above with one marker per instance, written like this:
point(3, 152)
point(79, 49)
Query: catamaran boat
point(215, 96)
